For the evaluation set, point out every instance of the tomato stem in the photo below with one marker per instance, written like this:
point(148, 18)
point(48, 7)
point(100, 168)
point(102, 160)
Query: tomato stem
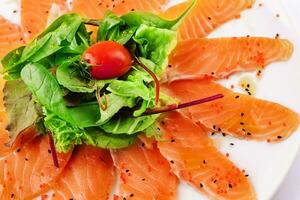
point(152, 74)
point(173, 107)
point(99, 99)
point(53, 150)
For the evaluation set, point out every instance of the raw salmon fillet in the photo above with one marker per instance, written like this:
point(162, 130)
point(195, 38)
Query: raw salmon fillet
point(29, 171)
point(195, 159)
point(206, 16)
point(236, 114)
point(219, 58)
point(34, 15)
point(97, 8)
point(10, 37)
point(88, 175)
point(144, 174)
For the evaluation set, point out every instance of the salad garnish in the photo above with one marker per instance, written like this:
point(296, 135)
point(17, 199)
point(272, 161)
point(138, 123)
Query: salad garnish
point(77, 85)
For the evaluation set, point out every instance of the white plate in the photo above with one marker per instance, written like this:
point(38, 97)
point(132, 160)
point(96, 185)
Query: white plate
point(267, 164)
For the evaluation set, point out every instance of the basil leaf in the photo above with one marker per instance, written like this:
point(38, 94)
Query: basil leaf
point(128, 125)
point(98, 138)
point(21, 108)
point(45, 88)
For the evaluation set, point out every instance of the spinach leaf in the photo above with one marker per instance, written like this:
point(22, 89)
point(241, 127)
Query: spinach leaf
point(46, 89)
point(115, 104)
point(65, 135)
point(21, 108)
point(86, 115)
point(128, 125)
point(114, 28)
point(69, 75)
point(137, 18)
point(57, 36)
point(155, 44)
point(97, 138)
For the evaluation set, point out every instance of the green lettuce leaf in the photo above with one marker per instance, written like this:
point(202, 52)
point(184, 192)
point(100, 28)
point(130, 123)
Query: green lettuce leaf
point(115, 104)
point(98, 138)
point(156, 44)
point(65, 135)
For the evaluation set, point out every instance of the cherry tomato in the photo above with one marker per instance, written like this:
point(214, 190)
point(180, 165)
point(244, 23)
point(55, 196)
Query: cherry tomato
point(108, 60)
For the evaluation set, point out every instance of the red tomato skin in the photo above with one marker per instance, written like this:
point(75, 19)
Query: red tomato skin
point(108, 60)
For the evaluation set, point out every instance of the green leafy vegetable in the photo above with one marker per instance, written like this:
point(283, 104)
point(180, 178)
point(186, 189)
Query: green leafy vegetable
point(128, 125)
point(65, 135)
point(57, 36)
point(46, 89)
point(70, 75)
point(21, 108)
point(116, 103)
point(137, 18)
point(155, 44)
point(98, 138)
point(114, 28)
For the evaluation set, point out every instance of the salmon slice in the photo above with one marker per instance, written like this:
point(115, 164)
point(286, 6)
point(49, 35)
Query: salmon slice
point(195, 159)
point(206, 16)
point(34, 15)
point(29, 171)
point(144, 174)
point(96, 8)
point(236, 114)
point(219, 58)
point(88, 175)
point(10, 37)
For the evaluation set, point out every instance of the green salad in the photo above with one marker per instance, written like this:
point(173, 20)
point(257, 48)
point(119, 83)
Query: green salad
point(51, 85)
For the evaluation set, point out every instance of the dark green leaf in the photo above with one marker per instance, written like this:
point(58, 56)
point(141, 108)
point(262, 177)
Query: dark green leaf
point(45, 88)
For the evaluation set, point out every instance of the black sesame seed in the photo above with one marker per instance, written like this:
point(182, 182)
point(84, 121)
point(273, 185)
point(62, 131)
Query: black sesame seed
point(143, 144)
point(124, 198)
point(201, 185)
point(229, 185)
point(249, 133)
point(209, 18)
point(246, 175)
point(127, 170)
point(143, 179)
point(213, 133)
point(214, 126)
point(49, 151)
point(15, 11)
point(231, 144)
point(204, 161)
point(169, 66)
point(18, 150)
point(279, 137)
point(219, 129)
point(215, 181)
point(243, 130)
point(171, 161)
point(237, 97)
point(12, 195)
point(224, 134)
point(131, 195)
point(248, 85)
point(26, 159)
point(242, 123)
point(242, 114)
point(173, 140)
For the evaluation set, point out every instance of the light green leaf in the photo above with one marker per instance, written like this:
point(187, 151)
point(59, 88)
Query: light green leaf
point(128, 125)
